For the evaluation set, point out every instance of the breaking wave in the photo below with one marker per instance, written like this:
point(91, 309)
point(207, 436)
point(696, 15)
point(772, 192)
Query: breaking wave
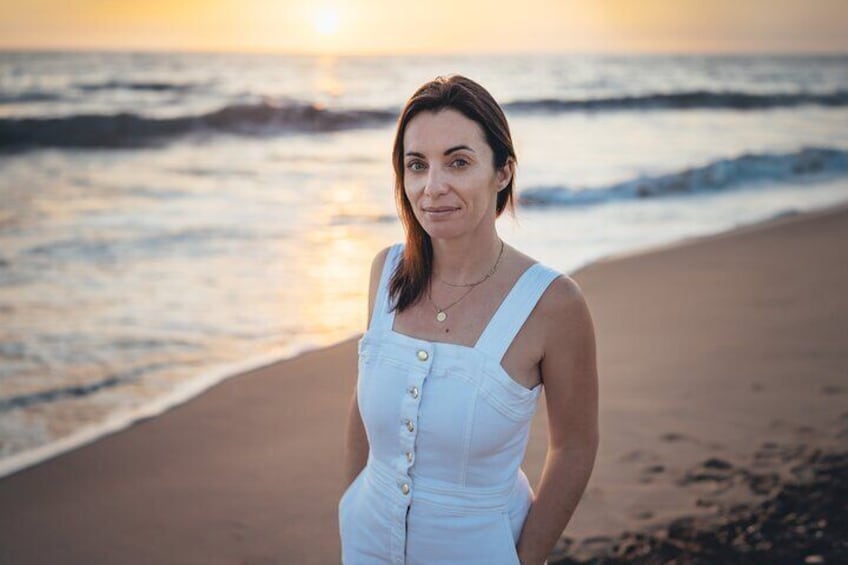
point(717, 175)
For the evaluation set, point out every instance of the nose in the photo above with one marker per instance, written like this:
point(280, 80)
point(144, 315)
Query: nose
point(436, 183)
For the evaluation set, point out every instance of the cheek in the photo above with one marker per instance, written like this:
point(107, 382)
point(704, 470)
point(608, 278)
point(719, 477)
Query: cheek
point(412, 196)
point(409, 192)
point(482, 191)
point(410, 187)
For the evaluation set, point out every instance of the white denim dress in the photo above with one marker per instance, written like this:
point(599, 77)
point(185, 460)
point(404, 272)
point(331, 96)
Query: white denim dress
point(447, 429)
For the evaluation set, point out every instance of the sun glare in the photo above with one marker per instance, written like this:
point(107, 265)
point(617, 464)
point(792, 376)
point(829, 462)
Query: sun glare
point(326, 21)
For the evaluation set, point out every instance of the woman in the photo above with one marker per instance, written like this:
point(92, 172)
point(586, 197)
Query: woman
point(463, 332)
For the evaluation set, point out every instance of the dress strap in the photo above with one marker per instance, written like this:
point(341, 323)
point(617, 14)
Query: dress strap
point(515, 309)
point(382, 317)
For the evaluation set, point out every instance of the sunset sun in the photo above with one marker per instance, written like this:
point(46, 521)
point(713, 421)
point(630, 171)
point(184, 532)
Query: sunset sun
point(326, 21)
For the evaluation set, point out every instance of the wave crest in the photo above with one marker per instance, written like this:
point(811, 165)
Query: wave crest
point(272, 117)
point(133, 130)
point(717, 175)
point(690, 100)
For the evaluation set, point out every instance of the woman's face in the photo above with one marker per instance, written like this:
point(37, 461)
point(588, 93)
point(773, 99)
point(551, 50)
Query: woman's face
point(449, 176)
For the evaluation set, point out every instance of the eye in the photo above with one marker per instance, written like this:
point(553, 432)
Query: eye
point(459, 163)
point(415, 166)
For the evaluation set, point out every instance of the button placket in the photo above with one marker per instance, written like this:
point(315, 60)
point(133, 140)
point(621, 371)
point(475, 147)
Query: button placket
point(409, 419)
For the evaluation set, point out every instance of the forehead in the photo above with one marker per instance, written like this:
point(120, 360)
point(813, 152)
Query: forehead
point(436, 131)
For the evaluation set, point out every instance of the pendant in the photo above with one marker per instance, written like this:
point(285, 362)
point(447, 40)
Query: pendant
point(441, 316)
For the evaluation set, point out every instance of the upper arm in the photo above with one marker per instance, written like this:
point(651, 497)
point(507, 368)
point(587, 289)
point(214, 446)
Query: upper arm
point(569, 367)
point(376, 273)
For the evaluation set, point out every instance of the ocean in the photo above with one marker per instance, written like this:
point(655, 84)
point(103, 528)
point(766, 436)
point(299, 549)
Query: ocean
point(169, 220)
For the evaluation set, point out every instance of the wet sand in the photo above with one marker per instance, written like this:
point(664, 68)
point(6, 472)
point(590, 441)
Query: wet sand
point(723, 367)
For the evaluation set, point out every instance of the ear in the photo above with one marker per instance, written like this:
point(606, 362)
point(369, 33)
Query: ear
point(504, 174)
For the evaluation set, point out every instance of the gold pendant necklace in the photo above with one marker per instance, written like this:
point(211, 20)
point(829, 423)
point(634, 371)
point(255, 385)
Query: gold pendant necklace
point(441, 313)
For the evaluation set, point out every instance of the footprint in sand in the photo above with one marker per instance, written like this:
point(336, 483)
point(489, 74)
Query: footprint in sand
point(713, 470)
point(805, 430)
point(721, 476)
point(715, 473)
point(649, 472)
point(671, 437)
point(771, 454)
point(639, 456)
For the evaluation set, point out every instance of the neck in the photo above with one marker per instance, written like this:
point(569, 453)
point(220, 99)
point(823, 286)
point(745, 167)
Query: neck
point(465, 260)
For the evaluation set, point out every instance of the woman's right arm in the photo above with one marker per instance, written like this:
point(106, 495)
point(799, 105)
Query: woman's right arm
point(356, 442)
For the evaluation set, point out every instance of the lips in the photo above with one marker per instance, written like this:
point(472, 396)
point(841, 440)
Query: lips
point(439, 209)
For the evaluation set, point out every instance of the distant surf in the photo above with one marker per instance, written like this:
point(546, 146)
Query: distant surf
point(689, 100)
point(745, 169)
point(134, 130)
point(269, 116)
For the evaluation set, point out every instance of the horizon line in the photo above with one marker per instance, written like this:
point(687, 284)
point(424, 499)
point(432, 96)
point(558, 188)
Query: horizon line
point(421, 53)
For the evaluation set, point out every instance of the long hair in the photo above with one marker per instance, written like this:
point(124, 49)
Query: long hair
point(410, 279)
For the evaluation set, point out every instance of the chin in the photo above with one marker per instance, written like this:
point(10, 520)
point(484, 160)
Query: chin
point(443, 231)
point(447, 228)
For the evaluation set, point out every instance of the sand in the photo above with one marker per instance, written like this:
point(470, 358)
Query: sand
point(719, 358)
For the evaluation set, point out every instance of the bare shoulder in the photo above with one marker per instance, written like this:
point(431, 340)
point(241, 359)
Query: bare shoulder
point(376, 272)
point(563, 299)
point(561, 303)
point(377, 266)
point(565, 314)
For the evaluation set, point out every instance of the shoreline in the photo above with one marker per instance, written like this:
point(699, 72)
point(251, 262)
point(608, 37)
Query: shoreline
point(709, 348)
point(118, 422)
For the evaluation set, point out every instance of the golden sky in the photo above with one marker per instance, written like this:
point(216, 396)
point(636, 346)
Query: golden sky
point(440, 26)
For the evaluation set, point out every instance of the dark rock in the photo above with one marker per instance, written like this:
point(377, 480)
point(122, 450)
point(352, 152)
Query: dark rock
point(716, 463)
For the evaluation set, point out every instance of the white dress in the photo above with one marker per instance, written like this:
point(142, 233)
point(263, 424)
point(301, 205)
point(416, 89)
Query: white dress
point(447, 429)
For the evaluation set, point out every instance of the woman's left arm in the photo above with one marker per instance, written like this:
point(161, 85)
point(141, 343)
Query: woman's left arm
point(570, 376)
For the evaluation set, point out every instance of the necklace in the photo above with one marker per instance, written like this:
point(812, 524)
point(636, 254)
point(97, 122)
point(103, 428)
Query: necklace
point(486, 276)
point(441, 313)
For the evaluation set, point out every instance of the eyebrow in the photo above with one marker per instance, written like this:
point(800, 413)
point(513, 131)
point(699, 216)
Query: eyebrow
point(447, 152)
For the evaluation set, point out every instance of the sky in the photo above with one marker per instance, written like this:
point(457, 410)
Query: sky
point(436, 26)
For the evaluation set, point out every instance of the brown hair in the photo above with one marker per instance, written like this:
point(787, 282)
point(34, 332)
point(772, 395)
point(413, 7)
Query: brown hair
point(411, 277)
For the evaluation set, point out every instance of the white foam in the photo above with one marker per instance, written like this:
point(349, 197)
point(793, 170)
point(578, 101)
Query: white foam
point(183, 392)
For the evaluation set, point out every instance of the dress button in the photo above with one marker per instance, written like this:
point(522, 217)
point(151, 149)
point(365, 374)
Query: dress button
point(423, 355)
point(409, 425)
point(409, 456)
point(414, 392)
point(404, 488)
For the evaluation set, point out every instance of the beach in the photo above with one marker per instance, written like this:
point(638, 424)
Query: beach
point(723, 371)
